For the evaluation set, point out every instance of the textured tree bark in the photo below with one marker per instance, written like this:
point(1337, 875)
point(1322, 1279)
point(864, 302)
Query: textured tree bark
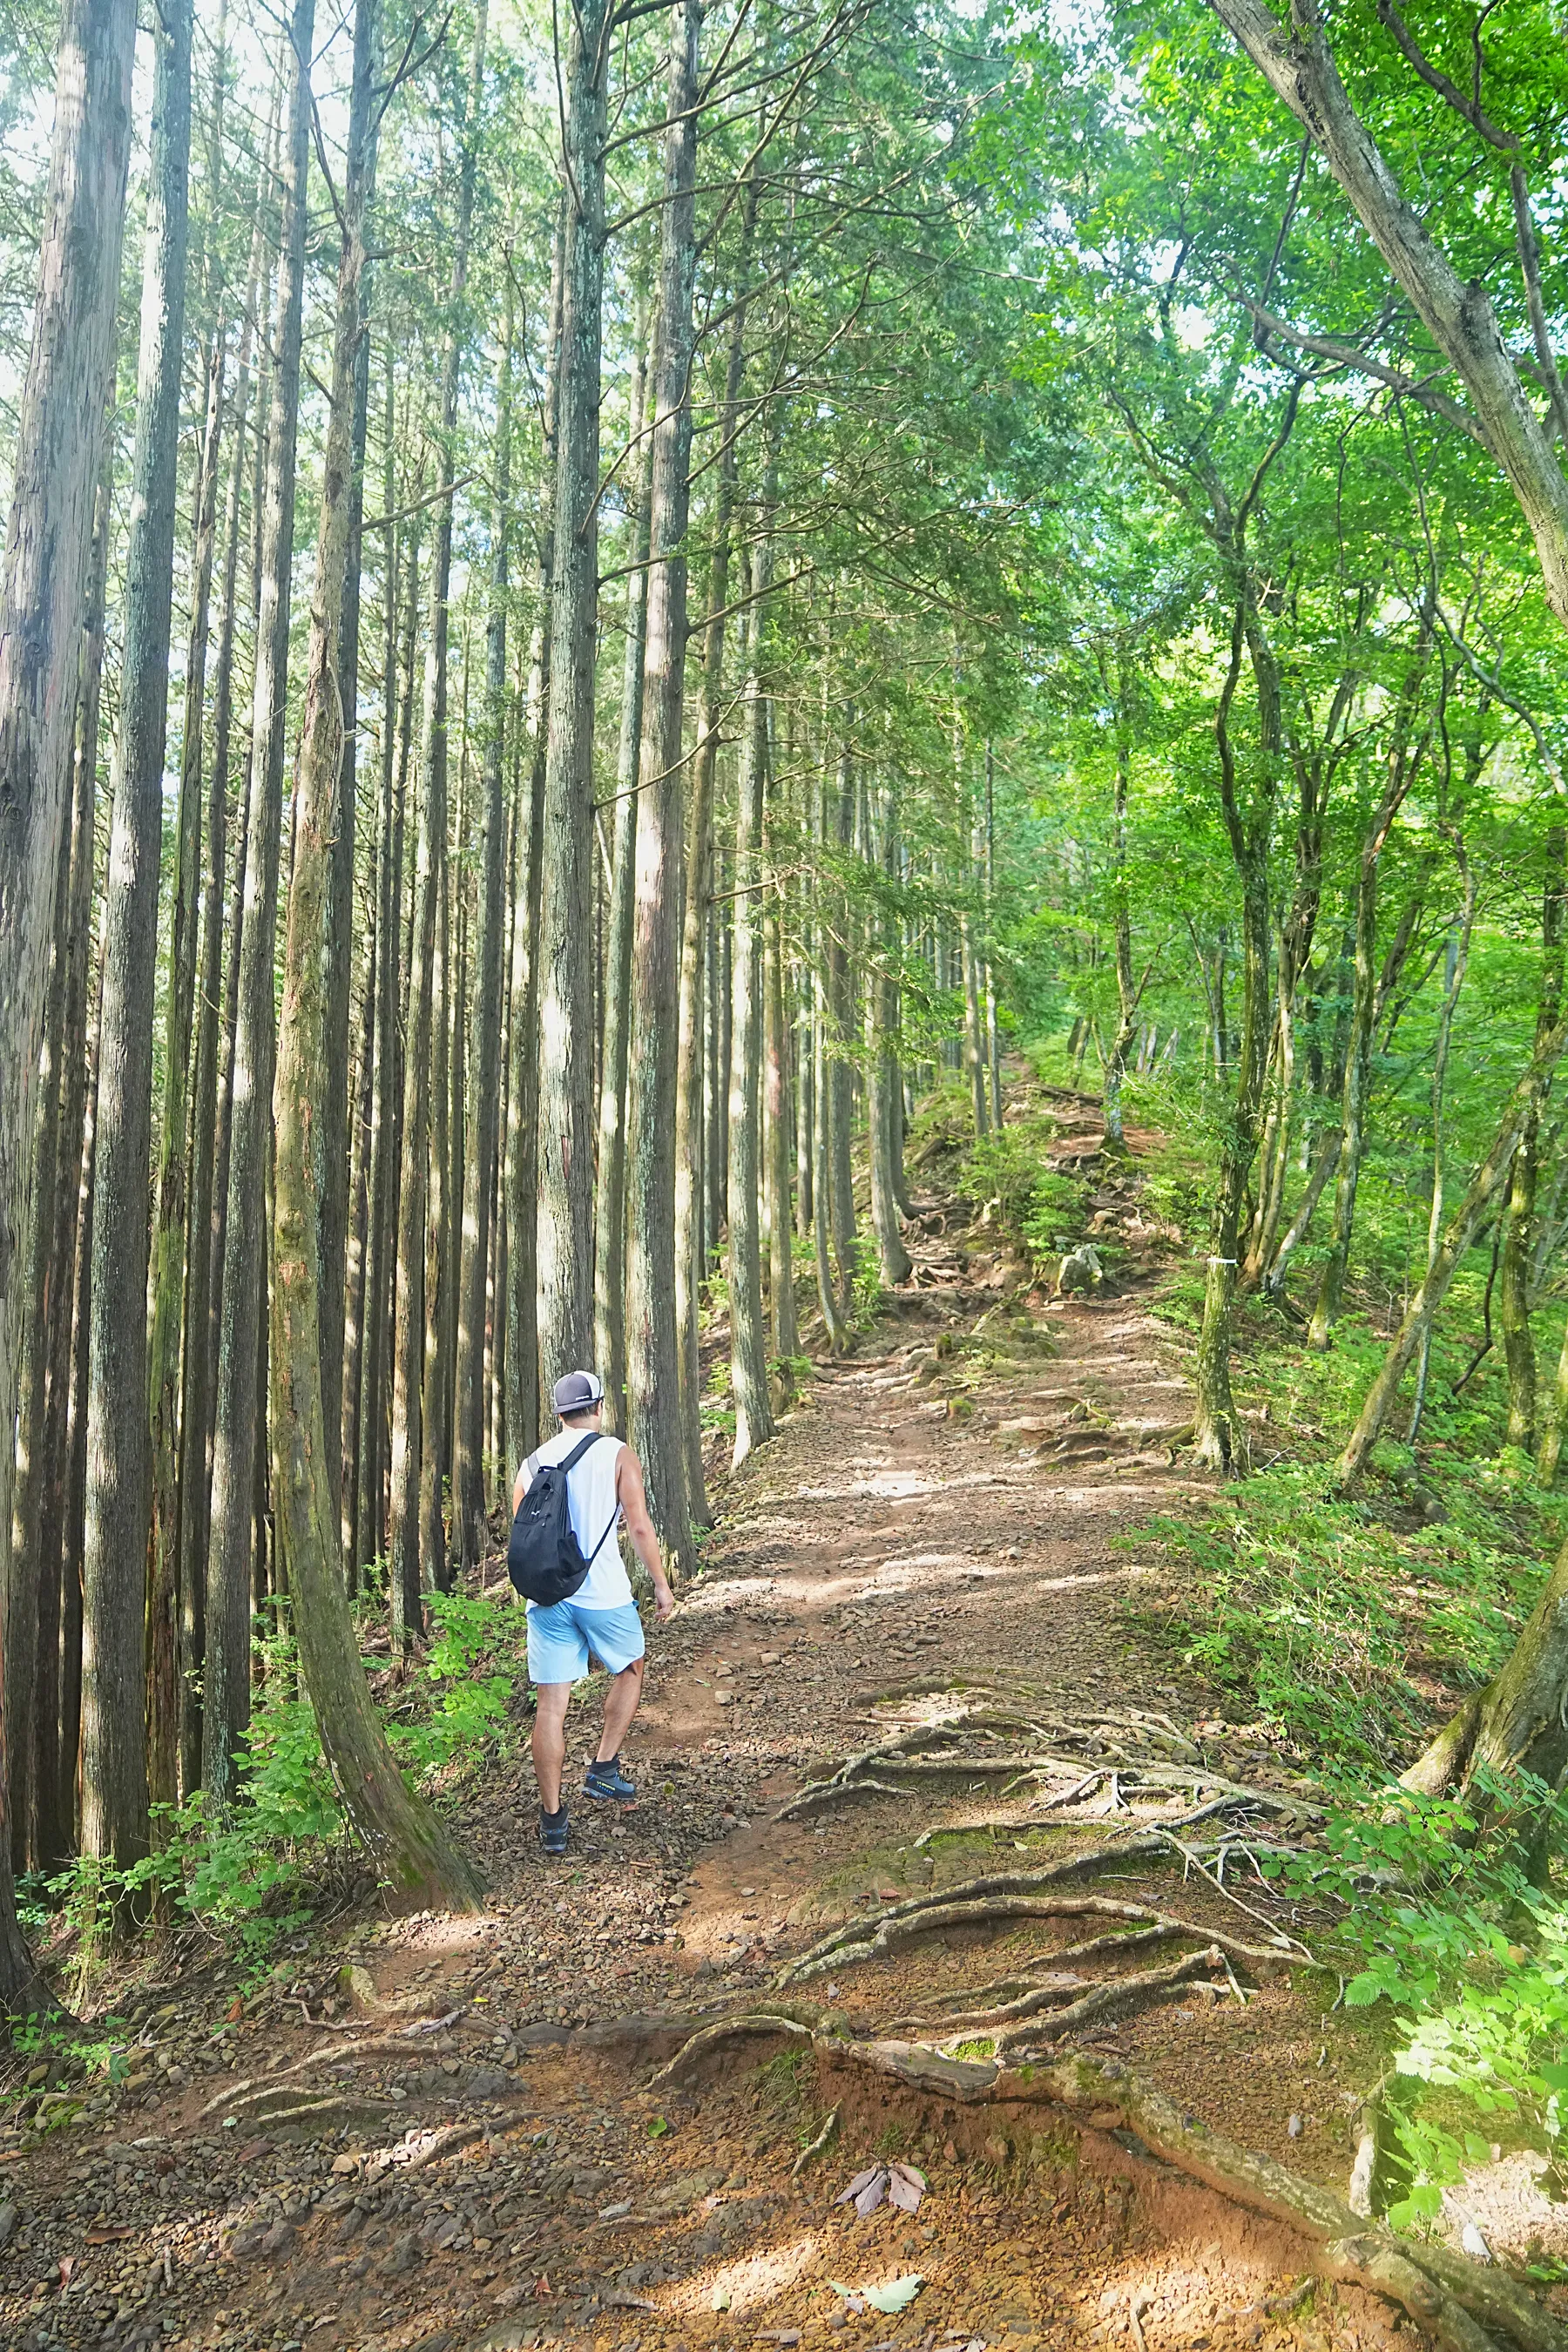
point(381, 1350)
point(445, 1124)
point(435, 1409)
point(364, 1542)
point(520, 1174)
point(118, 1454)
point(1216, 1435)
point(416, 1533)
point(170, 1670)
point(610, 1208)
point(26, 1609)
point(1299, 65)
point(839, 1077)
point(239, 1425)
point(973, 1034)
point(1520, 1229)
point(400, 1836)
point(1484, 1187)
point(884, 1087)
point(468, 1498)
point(334, 1157)
point(196, 1380)
point(658, 1405)
point(780, 1146)
point(41, 590)
point(565, 1113)
point(748, 1329)
point(52, 1825)
point(1405, 761)
point(1456, 959)
point(992, 1038)
point(1122, 921)
point(691, 1209)
point(235, 932)
point(805, 1090)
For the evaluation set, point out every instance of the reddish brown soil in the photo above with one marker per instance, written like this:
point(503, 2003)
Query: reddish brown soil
point(926, 1519)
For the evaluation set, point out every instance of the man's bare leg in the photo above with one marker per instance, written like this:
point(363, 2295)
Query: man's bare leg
point(551, 1702)
point(622, 1701)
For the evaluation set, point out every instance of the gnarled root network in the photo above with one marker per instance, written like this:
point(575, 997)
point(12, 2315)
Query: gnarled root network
point(1463, 2307)
point(1137, 1759)
point(1015, 1895)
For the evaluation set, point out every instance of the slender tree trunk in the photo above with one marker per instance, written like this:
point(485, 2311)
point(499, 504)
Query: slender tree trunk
point(1296, 1233)
point(781, 1227)
point(610, 1215)
point(196, 1400)
point(804, 1096)
point(119, 1464)
point(521, 1172)
point(973, 1036)
point(884, 1090)
point(826, 1296)
point(26, 1609)
point(173, 1256)
point(566, 1117)
point(445, 1120)
point(1122, 915)
point(239, 1425)
point(52, 483)
point(691, 1207)
point(1365, 1002)
point(1457, 959)
point(435, 1418)
point(400, 1837)
point(334, 1158)
point(223, 1153)
point(416, 1523)
point(993, 1043)
point(839, 1076)
point(1520, 1228)
point(748, 1329)
point(1484, 1188)
point(468, 1482)
point(657, 1406)
point(358, 1254)
point(52, 1823)
point(375, 1412)
point(1218, 1437)
point(365, 1543)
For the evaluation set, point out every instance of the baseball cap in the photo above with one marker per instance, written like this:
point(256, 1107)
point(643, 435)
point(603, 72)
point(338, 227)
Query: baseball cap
point(577, 1392)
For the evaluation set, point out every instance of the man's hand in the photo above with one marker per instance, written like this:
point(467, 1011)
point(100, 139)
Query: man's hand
point(663, 1599)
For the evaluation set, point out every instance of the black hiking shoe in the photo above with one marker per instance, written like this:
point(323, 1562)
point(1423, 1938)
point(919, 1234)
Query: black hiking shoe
point(553, 1828)
point(608, 1783)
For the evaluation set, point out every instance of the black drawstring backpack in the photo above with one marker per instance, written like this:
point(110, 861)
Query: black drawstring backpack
point(544, 1559)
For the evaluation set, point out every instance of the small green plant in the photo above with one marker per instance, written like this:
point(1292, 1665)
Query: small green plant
point(1470, 1957)
point(1004, 1179)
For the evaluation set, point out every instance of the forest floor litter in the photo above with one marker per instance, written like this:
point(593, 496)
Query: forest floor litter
point(906, 1677)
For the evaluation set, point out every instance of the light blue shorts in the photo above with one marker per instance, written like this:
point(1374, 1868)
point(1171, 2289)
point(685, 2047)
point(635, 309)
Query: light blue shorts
point(561, 1638)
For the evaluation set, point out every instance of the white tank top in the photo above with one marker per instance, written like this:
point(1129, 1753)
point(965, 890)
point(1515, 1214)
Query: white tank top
point(591, 1500)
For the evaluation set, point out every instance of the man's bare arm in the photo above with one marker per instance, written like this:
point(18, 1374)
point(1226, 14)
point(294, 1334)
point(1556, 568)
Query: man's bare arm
point(632, 1495)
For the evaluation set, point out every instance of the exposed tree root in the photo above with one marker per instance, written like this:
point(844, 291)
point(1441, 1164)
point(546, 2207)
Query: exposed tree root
point(1027, 1995)
point(1019, 1748)
point(1115, 1997)
point(1014, 1894)
point(1466, 2308)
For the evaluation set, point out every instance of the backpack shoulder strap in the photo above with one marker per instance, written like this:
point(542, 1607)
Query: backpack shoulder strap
point(572, 1459)
point(615, 1522)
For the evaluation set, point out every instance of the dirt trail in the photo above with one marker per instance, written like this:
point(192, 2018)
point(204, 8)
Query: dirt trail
point(484, 2162)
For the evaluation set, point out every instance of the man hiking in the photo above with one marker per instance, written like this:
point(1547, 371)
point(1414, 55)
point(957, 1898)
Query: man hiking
point(600, 1620)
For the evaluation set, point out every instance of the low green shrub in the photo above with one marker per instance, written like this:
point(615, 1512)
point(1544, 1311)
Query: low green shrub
point(1004, 1179)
